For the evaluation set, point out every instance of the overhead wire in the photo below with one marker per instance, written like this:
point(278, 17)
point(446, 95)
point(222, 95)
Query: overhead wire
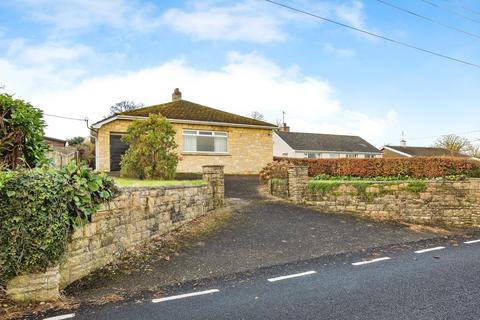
point(398, 42)
point(418, 15)
point(464, 7)
point(64, 117)
point(454, 12)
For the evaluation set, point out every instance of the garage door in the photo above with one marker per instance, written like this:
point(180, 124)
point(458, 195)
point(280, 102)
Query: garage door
point(117, 149)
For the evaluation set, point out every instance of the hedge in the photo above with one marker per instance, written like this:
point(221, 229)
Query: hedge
point(38, 210)
point(388, 167)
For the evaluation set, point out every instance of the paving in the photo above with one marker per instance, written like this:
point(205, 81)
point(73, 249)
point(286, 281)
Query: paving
point(261, 233)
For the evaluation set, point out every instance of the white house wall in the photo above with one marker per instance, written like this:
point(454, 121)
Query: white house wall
point(281, 148)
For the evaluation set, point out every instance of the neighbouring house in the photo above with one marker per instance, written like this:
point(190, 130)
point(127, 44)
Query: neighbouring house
point(54, 142)
point(205, 136)
point(59, 153)
point(316, 145)
point(403, 150)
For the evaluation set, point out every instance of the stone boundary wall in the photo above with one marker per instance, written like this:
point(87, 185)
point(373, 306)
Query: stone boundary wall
point(136, 216)
point(278, 188)
point(435, 202)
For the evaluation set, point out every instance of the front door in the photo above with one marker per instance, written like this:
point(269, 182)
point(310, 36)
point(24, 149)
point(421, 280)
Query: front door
point(117, 149)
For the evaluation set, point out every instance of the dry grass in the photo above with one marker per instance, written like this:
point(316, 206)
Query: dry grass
point(428, 229)
point(10, 310)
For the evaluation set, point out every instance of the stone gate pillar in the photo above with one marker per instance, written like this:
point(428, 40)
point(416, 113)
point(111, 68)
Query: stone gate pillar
point(297, 182)
point(213, 174)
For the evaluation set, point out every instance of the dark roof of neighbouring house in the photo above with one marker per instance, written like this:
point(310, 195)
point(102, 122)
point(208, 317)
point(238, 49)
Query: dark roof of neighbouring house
point(186, 110)
point(50, 139)
point(326, 142)
point(425, 151)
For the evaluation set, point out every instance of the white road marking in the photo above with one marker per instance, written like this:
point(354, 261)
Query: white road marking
point(291, 276)
point(186, 295)
point(429, 249)
point(370, 261)
point(64, 316)
point(472, 241)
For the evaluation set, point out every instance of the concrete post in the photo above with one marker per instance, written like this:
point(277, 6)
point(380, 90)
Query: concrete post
point(213, 174)
point(297, 182)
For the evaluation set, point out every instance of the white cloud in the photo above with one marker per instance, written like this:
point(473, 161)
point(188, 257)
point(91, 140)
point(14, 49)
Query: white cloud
point(352, 13)
point(255, 21)
point(79, 15)
point(344, 52)
point(247, 20)
point(28, 69)
point(245, 83)
point(47, 53)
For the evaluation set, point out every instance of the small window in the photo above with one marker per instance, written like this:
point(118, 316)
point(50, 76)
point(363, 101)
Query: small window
point(204, 141)
point(285, 154)
point(311, 155)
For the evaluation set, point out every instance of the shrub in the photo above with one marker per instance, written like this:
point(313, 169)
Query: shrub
point(86, 190)
point(389, 167)
point(38, 210)
point(274, 170)
point(21, 134)
point(152, 151)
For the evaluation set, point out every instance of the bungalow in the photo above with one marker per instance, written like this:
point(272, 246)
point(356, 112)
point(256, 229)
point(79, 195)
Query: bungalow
point(315, 145)
point(403, 150)
point(205, 136)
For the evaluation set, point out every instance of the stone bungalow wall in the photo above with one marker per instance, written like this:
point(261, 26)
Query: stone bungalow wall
point(136, 216)
point(444, 203)
point(249, 149)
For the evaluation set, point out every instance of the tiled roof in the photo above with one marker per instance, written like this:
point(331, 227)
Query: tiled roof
point(426, 151)
point(186, 110)
point(326, 142)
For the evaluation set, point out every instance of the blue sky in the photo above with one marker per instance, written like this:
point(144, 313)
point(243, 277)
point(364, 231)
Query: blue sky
point(75, 58)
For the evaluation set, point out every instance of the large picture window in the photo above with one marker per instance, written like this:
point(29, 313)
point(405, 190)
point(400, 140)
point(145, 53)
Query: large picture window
point(204, 141)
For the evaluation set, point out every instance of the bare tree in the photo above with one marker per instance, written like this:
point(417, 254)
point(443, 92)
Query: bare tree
point(453, 143)
point(474, 150)
point(124, 106)
point(257, 115)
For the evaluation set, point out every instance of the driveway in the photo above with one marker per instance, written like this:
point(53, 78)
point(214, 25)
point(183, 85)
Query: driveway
point(261, 233)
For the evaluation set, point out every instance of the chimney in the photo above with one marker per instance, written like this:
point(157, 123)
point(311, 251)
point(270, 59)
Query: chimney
point(176, 95)
point(284, 128)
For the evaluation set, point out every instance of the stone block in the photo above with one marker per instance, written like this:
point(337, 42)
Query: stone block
point(35, 287)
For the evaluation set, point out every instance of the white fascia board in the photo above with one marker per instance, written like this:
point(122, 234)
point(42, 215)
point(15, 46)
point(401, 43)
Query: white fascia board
point(399, 152)
point(211, 123)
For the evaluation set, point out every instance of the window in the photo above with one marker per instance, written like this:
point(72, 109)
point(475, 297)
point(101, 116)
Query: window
point(311, 155)
point(285, 154)
point(204, 141)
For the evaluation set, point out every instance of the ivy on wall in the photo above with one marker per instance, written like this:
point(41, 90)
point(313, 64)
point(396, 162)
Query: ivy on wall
point(39, 208)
